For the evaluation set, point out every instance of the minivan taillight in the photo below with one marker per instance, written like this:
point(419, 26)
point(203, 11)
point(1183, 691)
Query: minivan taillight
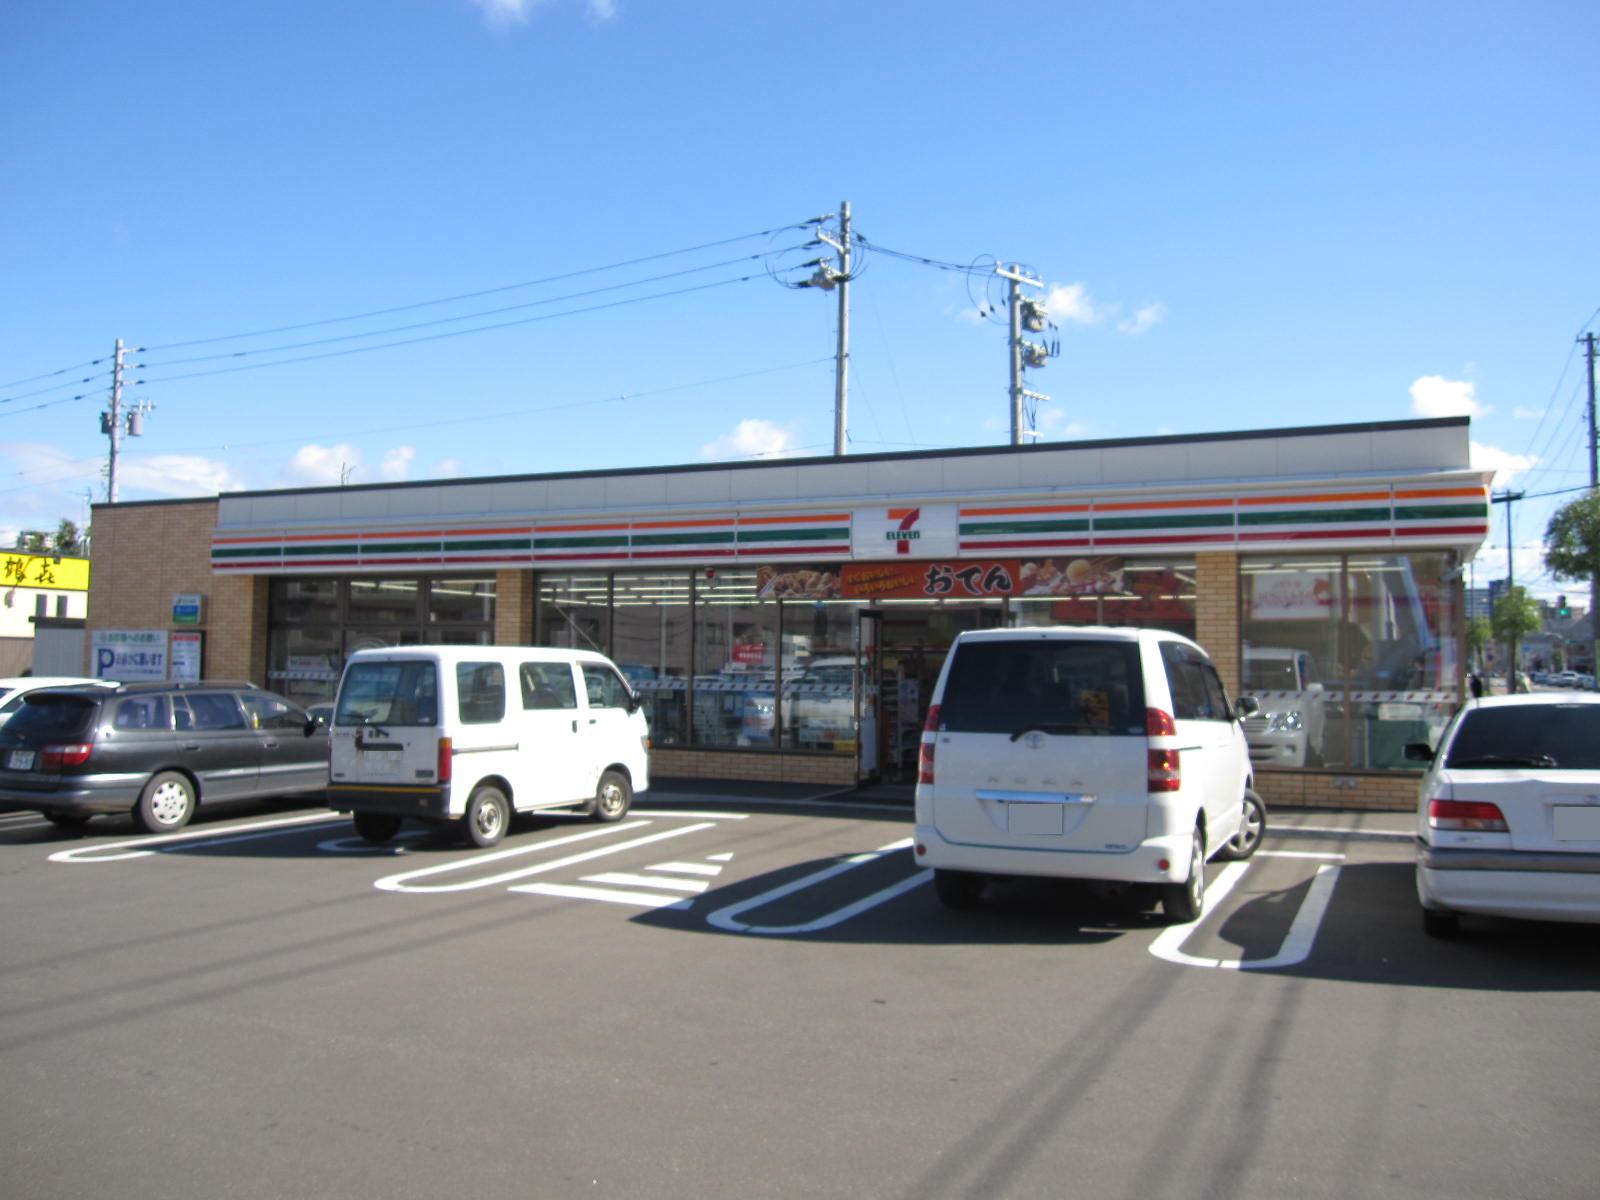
point(1164, 771)
point(72, 754)
point(1478, 816)
point(930, 730)
point(447, 759)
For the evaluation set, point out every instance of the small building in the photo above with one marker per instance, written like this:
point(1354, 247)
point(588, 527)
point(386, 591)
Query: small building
point(44, 598)
point(787, 619)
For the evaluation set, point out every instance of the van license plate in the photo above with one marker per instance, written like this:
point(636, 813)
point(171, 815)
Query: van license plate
point(1576, 824)
point(20, 760)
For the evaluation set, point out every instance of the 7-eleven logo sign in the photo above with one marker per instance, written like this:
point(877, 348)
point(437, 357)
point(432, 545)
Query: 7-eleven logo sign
point(905, 532)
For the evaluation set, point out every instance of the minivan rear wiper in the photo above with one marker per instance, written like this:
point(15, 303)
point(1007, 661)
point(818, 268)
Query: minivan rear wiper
point(1506, 760)
point(1060, 727)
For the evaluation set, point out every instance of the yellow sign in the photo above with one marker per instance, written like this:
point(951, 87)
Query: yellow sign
point(44, 571)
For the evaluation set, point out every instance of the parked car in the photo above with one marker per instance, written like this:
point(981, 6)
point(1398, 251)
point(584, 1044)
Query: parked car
point(14, 691)
point(464, 736)
point(1508, 815)
point(1088, 753)
point(1288, 730)
point(1564, 679)
point(156, 750)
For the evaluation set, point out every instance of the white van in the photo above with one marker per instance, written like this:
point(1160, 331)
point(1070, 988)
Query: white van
point(471, 734)
point(1085, 753)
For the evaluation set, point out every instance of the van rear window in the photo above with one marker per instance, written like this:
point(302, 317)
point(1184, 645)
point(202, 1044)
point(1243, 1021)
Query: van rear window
point(392, 693)
point(1009, 687)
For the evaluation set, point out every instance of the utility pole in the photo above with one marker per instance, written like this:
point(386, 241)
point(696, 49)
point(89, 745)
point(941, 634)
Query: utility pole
point(1024, 311)
point(1509, 498)
point(827, 278)
point(1594, 482)
point(113, 423)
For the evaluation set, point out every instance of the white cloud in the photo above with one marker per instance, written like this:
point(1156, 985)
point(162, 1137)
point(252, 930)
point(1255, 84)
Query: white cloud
point(175, 475)
point(322, 466)
point(1143, 320)
point(752, 438)
point(602, 10)
point(1435, 396)
point(1526, 414)
point(1053, 421)
point(397, 463)
point(1071, 304)
point(1504, 464)
point(447, 468)
point(506, 12)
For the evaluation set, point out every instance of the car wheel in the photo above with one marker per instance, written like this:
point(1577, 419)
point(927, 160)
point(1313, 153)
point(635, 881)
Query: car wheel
point(1251, 830)
point(376, 828)
point(957, 889)
point(63, 820)
point(166, 803)
point(1184, 902)
point(613, 797)
point(1437, 924)
point(488, 814)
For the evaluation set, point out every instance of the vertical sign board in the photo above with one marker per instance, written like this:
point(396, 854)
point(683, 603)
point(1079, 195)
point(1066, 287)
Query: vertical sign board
point(186, 608)
point(129, 655)
point(187, 650)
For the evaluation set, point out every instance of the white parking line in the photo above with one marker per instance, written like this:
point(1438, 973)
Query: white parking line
point(360, 845)
point(194, 839)
point(622, 878)
point(1381, 835)
point(689, 814)
point(725, 918)
point(401, 882)
point(1297, 942)
point(578, 891)
point(688, 868)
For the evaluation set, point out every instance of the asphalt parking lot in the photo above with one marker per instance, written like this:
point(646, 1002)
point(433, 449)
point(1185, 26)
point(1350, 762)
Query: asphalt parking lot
point(757, 995)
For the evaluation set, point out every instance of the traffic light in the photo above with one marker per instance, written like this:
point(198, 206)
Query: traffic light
point(1561, 606)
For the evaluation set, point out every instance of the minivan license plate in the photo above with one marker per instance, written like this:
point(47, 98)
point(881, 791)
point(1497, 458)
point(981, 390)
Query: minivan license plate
point(1577, 824)
point(20, 760)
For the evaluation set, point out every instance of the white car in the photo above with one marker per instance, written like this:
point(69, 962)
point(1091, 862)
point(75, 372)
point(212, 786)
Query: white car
point(14, 692)
point(1288, 730)
point(1508, 817)
point(1083, 753)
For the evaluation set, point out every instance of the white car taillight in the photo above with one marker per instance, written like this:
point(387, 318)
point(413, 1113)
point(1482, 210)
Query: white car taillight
point(930, 730)
point(1165, 770)
point(1477, 816)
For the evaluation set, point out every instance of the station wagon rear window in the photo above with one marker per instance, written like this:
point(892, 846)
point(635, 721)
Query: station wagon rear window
point(393, 693)
point(46, 717)
point(1009, 687)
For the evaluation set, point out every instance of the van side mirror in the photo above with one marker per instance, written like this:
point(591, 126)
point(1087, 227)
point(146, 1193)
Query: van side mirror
point(1246, 706)
point(312, 725)
point(635, 703)
point(1418, 752)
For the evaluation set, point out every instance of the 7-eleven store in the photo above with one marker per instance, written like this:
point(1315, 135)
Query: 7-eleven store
point(786, 619)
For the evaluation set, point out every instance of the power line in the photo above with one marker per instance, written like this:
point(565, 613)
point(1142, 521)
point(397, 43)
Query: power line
point(434, 337)
point(399, 308)
point(472, 316)
point(964, 268)
point(54, 388)
point(93, 362)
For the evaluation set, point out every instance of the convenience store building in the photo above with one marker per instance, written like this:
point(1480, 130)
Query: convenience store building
point(786, 620)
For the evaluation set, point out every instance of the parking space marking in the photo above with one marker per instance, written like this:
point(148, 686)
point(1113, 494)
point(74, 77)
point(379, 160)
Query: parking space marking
point(578, 891)
point(666, 876)
point(1297, 943)
point(689, 814)
point(360, 845)
point(726, 918)
point(693, 886)
point(691, 868)
point(402, 882)
point(193, 839)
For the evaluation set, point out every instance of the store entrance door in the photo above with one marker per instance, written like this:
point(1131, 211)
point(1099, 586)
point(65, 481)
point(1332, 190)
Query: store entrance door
point(914, 641)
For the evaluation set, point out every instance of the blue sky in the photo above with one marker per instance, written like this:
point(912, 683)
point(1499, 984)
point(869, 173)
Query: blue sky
point(1247, 215)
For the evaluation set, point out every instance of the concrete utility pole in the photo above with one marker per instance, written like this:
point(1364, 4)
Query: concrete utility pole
point(1511, 583)
point(1594, 483)
point(111, 422)
point(1018, 347)
point(841, 369)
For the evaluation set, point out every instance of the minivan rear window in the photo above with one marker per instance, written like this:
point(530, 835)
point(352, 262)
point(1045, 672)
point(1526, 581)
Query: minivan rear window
point(50, 718)
point(1090, 687)
point(1547, 736)
point(388, 693)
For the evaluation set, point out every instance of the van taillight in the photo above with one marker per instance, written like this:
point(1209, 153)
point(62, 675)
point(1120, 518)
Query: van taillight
point(930, 730)
point(447, 758)
point(1164, 770)
point(73, 754)
point(1479, 816)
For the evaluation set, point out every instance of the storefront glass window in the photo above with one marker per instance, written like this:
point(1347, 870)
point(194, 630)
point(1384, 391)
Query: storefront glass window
point(574, 611)
point(384, 601)
point(1153, 593)
point(735, 660)
point(650, 643)
point(461, 601)
point(1351, 656)
point(819, 708)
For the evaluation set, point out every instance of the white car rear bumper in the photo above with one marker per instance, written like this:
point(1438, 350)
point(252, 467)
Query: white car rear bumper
point(1139, 865)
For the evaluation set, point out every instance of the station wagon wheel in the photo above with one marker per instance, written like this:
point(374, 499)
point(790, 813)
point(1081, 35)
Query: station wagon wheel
point(166, 803)
point(376, 828)
point(488, 814)
point(613, 797)
point(63, 820)
point(1252, 827)
point(1184, 902)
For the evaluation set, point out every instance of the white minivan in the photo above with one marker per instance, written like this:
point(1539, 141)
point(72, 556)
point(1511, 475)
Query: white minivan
point(468, 735)
point(1084, 753)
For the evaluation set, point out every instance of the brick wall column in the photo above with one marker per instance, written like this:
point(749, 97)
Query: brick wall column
point(236, 638)
point(1216, 614)
point(513, 608)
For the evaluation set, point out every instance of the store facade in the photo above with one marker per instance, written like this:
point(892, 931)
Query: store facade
point(787, 620)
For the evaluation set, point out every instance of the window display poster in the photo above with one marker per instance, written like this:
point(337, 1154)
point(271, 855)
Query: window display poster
point(129, 655)
point(186, 653)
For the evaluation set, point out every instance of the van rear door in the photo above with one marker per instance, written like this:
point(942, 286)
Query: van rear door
point(1041, 745)
point(386, 726)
